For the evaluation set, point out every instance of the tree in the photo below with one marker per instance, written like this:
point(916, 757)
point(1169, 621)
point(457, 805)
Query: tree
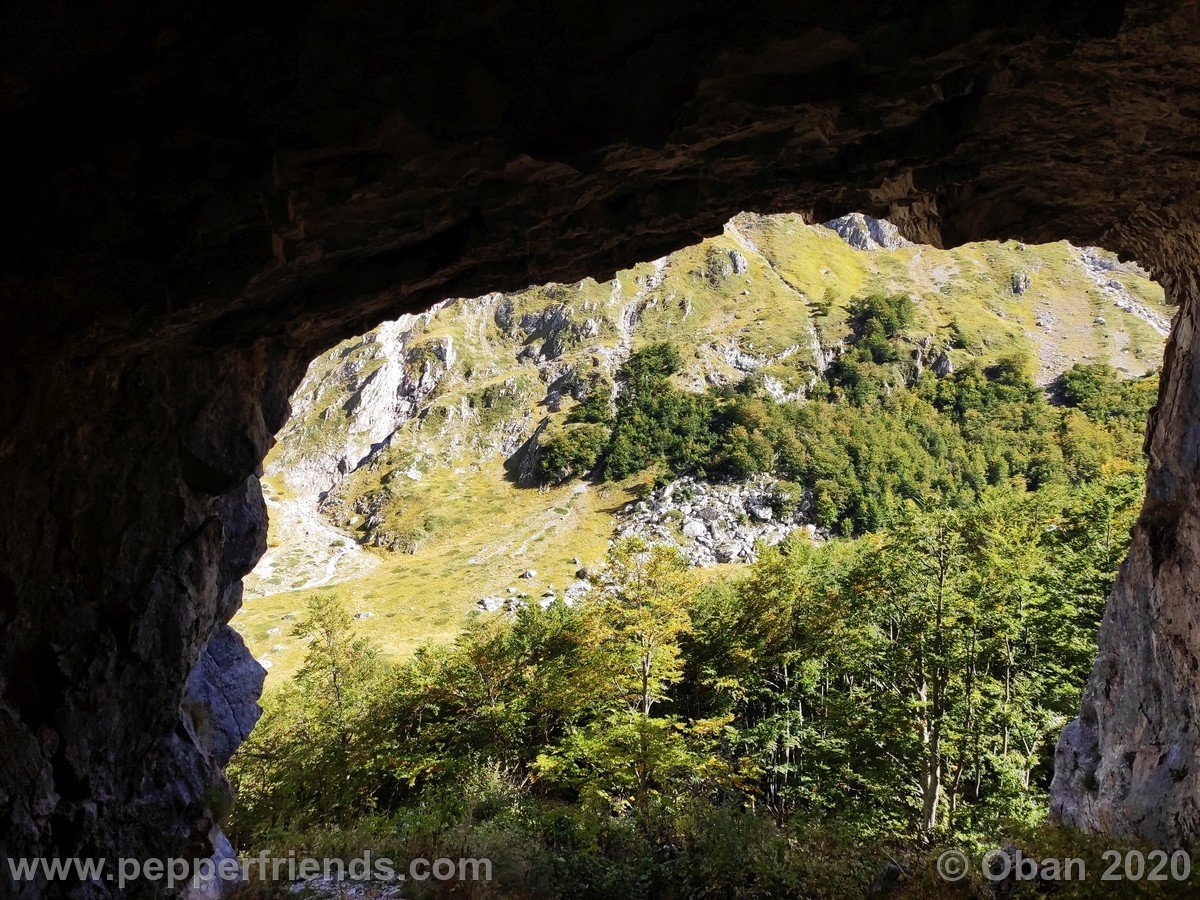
point(643, 607)
point(338, 664)
point(315, 753)
point(656, 422)
point(648, 591)
point(914, 584)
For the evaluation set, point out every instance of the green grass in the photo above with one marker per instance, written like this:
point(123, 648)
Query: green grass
point(492, 532)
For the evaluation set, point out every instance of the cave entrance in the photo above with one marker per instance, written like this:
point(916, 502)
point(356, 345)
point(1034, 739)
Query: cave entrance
point(779, 384)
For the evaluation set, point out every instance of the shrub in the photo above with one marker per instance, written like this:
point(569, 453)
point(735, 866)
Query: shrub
point(571, 450)
point(657, 422)
point(741, 453)
point(595, 401)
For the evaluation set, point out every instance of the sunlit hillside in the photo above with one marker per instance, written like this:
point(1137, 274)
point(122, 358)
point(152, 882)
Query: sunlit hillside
point(389, 487)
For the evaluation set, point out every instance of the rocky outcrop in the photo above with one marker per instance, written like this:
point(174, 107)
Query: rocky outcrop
point(865, 233)
point(522, 466)
point(123, 692)
point(1102, 269)
point(207, 197)
point(220, 699)
point(717, 523)
point(938, 359)
point(548, 333)
point(722, 265)
point(346, 410)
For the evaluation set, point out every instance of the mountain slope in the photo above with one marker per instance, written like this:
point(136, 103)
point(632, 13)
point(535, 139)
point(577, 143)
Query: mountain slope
point(389, 484)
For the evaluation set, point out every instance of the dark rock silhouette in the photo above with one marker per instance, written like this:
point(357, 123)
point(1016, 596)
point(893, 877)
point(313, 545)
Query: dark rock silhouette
point(201, 199)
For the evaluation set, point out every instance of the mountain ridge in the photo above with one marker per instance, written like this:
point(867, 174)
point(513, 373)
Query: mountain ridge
point(395, 433)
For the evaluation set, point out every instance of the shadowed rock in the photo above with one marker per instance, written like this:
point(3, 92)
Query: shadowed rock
point(203, 199)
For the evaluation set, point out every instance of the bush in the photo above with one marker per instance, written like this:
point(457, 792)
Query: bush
point(741, 453)
point(1084, 384)
point(595, 401)
point(651, 365)
point(570, 450)
point(787, 498)
point(657, 422)
point(890, 314)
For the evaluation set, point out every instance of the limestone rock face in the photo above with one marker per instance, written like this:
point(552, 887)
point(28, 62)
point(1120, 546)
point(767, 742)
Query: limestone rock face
point(865, 233)
point(398, 379)
point(220, 696)
point(123, 692)
point(1130, 764)
point(207, 197)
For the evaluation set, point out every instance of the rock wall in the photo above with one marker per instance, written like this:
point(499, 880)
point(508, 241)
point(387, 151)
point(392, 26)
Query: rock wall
point(206, 196)
point(138, 510)
point(1130, 764)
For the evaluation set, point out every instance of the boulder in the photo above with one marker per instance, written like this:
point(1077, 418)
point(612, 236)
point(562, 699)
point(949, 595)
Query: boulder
point(762, 513)
point(943, 365)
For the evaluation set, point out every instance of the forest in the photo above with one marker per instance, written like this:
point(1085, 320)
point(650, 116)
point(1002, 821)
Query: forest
point(792, 727)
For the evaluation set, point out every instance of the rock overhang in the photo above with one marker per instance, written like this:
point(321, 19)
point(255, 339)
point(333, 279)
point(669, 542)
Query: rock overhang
point(208, 198)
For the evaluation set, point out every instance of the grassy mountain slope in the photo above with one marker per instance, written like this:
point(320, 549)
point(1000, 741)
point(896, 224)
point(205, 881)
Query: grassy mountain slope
point(389, 488)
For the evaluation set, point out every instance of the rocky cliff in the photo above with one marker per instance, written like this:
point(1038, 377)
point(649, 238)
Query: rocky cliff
point(1130, 764)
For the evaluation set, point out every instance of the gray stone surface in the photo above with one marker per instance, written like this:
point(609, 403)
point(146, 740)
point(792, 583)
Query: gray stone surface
point(714, 523)
point(221, 697)
point(1130, 763)
point(866, 233)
